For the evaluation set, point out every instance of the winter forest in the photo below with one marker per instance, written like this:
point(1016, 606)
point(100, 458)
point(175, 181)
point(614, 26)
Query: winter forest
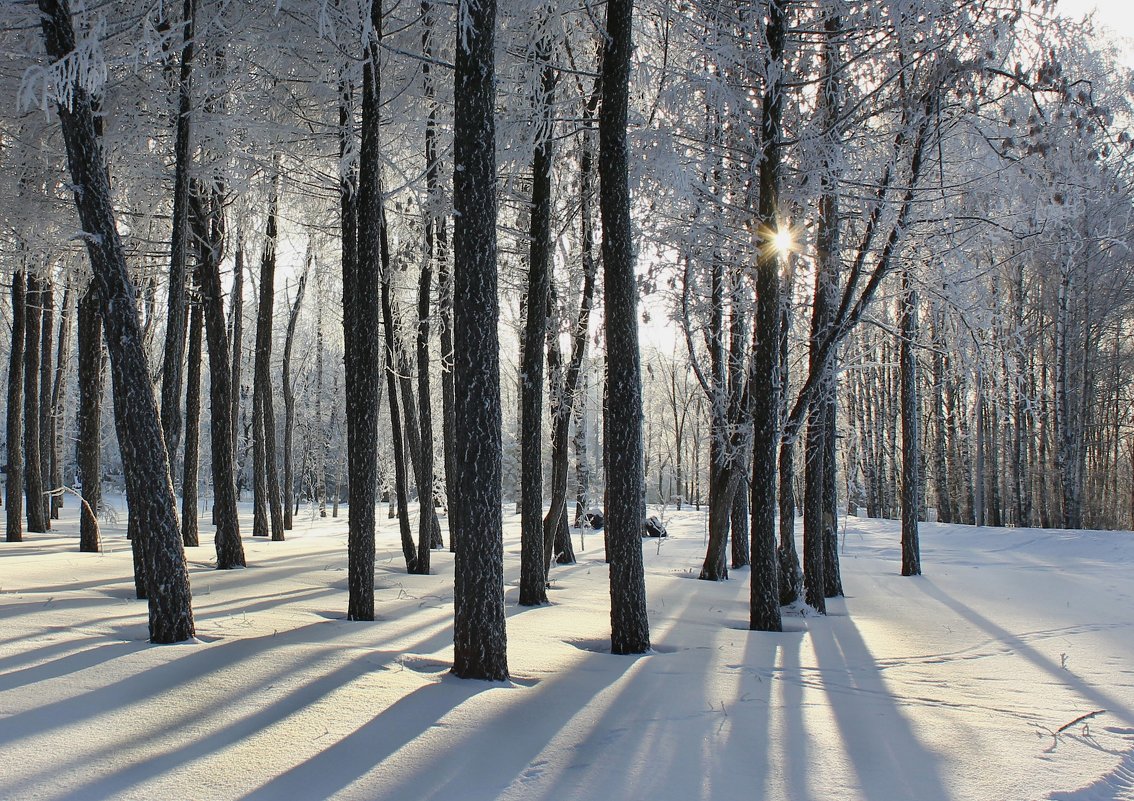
point(726, 382)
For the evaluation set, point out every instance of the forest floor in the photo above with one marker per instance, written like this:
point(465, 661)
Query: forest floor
point(954, 685)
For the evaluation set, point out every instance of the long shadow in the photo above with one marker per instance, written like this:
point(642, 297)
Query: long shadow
point(797, 749)
point(509, 740)
point(72, 663)
point(231, 694)
point(1065, 677)
point(889, 759)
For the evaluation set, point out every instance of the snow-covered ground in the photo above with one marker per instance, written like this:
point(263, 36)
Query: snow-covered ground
point(948, 686)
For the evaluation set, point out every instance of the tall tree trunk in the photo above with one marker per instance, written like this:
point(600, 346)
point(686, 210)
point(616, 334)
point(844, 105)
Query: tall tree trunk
point(398, 426)
point(289, 494)
point(177, 317)
point(46, 429)
point(479, 634)
point(142, 445)
point(236, 343)
point(323, 440)
point(533, 564)
point(33, 465)
point(222, 434)
point(190, 534)
point(14, 488)
point(764, 606)
point(622, 424)
point(911, 456)
point(91, 363)
point(361, 227)
point(264, 416)
point(58, 389)
point(945, 508)
point(435, 251)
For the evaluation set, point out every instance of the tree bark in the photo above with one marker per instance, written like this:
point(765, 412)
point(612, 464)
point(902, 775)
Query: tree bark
point(622, 427)
point(222, 434)
point(177, 311)
point(289, 493)
point(190, 534)
point(56, 417)
point(479, 635)
point(149, 488)
point(89, 447)
point(46, 418)
point(911, 455)
point(264, 416)
point(14, 487)
point(533, 564)
point(33, 465)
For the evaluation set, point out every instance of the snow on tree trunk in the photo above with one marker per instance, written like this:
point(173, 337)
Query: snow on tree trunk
point(911, 453)
point(56, 415)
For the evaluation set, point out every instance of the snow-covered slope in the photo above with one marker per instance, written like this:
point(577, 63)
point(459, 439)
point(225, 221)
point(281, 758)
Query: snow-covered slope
point(948, 686)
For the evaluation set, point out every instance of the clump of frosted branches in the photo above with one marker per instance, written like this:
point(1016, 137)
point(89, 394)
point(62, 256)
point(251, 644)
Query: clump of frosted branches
point(83, 68)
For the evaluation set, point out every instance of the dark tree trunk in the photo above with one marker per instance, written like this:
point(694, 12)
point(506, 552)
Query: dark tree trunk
point(14, 488)
point(323, 440)
point(360, 209)
point(289, 494)
point(911, 455)
point(89, 447)
point(945, 509)
point(435, 247)
point(820, 422)
point(397, 425)
point(764, 611)
point(236, 341)
point(177, 316)
point(190, 534)
point(533, 564)
point(46, 419)
point(832, 574)
point(149, 489)
point(33, 465)
point(479, 635)
point(58, 389)
point(741, 549)
point(564, 385)
point(264, 415)
point(222, 435)
point(622, 425)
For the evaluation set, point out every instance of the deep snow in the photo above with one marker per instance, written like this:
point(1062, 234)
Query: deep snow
point(947, 686)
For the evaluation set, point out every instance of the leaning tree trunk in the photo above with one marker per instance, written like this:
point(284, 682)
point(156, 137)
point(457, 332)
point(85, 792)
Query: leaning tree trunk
point(89, 447)
point(622, 435)
point(289, 399)
point(14, 489)
point(397, 425)
point(190, 534)
point(58, 389)
point(479, 634)
point(33, 466)
point(142, 445)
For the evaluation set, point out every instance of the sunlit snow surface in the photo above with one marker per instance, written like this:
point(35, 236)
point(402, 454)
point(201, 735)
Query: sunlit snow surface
point(948, 686)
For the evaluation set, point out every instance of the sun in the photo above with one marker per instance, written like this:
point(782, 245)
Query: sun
point(782, 241)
